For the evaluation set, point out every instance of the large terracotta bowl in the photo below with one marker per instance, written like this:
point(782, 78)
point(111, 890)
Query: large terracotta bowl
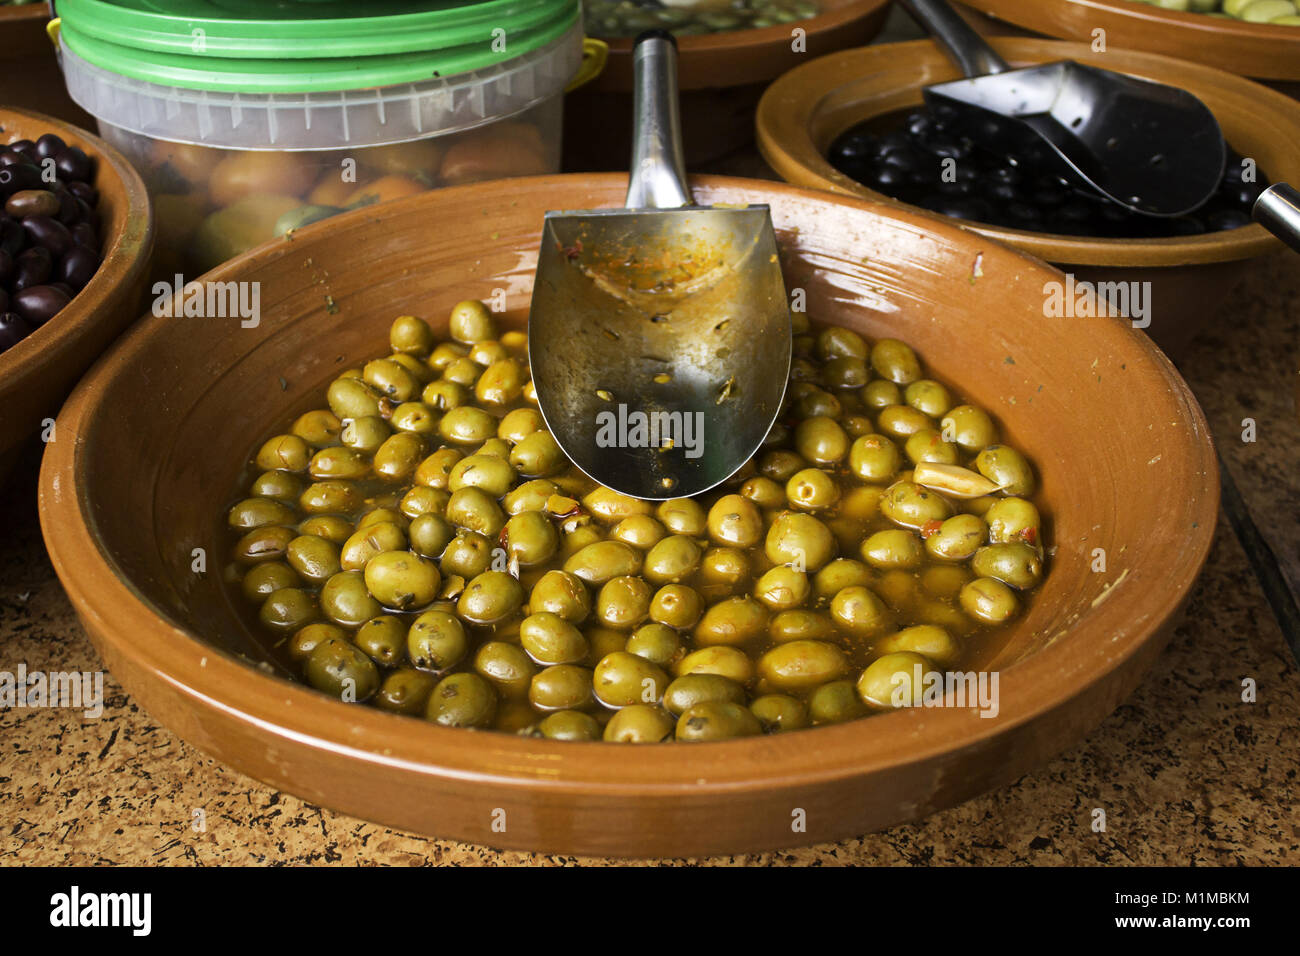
point(721, 76)
point(163, 424)
point(803, 112)
point(38, 372)
point(1262, 50)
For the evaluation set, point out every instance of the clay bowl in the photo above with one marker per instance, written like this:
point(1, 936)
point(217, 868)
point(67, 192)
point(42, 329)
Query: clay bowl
point(1248, 49)
point(805, 110)
point(721, 76)
point(164, 422)
point(38, 372)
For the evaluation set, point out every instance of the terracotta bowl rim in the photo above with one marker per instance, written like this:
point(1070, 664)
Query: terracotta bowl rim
point(790, 100)
point(125, 258)
point(279, 708)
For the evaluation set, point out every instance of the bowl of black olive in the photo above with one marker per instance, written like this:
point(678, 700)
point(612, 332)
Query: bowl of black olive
point(75, 237)
point(856, 122)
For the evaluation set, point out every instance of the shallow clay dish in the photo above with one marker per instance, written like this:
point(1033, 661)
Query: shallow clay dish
point(38, 372)
point(164, 421)
point(803, 112)
point(1260, 50)
point(721, 76)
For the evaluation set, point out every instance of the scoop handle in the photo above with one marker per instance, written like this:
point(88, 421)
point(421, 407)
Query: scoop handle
point(658, 174)
point(966, 47)
point(1278, 210)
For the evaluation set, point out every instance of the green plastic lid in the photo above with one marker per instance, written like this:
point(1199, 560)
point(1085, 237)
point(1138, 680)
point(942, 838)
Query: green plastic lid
point(292, 46)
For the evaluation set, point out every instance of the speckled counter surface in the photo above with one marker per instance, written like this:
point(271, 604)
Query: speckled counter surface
point(1186, 771)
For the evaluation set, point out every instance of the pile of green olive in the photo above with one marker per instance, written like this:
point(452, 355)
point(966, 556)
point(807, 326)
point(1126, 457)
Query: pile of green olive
point(625, 18)
point(423, 544)
point(1279, 12)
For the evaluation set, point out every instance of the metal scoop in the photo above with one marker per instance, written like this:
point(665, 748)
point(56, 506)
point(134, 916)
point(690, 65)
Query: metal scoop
point(659, 334)
point(1152, 148)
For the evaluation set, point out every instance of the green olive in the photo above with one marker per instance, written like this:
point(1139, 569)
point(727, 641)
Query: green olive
point(550, 639)
point(518, 424)
point(717, 720)
point(672, 560)
point(901, 422)
point(928, 445)
point(570, 725)
point(623, 602)
point(468, 554)
point(352, 398)
point(305, 639)
point(435, 471)
point(895, 361)
point(812, 490)
point(821, 440)
point(444, 353)
point(485, 472)
point(1013, 519)
point(780, 464)
point(1006, 468)
point(621, 679)
point(263, 544)
point(530, 496)
point(840, 574)
point(845, 372)
point(928, 396)
point(284, 453)
point(330, 527)
point(958, 538)
point(813, 402)
point(531, 538)
point(538, 455)
point(288, 609)
point(969, 427)
point(398, 457)
point(988, 601)
point(402, 580)
point(860, 611)
point(471, 322)
point(687, 691)
point(315, 559)
point(678, 606)
point(932, 642)
point(391, 380)
point(467, 425)
point(476, 510)
point(801, 624)
point(443, 395)
point(1017, 565)
point(894, 680)
point(410, 335)
point(561, 687)
point(640, 531)
point(369, 541)
point(405, 691)
point(345, 600)
point(912, 506)
point(764, 492)
point(874, 458)
point(945, 581)
point(782, 588)
point(266, 577)
point(639, 724)
point(562, 594)
point(835, 341)
point(893, 548)
point(735, 521)
point(835, 703)
point(723, 660)
point(734, 621)
point(501, 382)
point(330, 497)
point(259, 513)
point(802, 665)
point(436, 641)
point(282, 486)
point(430, 534)
point(657, 643)
point(383, 639)
point(490, 598)
point(799, 540)
point(341, 670)
point(462, 700)
point(507, 667)
point(779, 713)
point(881, 393)
point(318, 428)
point(682, 516)
point(604, 560)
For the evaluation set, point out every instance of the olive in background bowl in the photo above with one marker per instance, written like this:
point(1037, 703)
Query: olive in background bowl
point(1121, 447)
point(38, 371)
point(803, 113)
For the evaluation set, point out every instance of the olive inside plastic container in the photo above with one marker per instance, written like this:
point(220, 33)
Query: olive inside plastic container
point(247, 119)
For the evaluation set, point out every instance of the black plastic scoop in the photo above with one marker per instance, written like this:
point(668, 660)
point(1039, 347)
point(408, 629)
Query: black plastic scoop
point(1151, 148)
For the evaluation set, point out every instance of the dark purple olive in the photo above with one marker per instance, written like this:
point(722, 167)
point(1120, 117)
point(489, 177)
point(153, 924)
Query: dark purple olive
point(32, 202)
point(64, 288)
point(86, 192)
point(83, 234)
point(4, 299)
point(69, 212)
point(78, 266)
point(73, 164)
point(8, 157)
point(20, 176)
point(49, 145)
point(12, 237)
point(34, 267)
point(50, 233)
point(13, 329)
point(6, 265)
point(40, 303)
point(24, 146)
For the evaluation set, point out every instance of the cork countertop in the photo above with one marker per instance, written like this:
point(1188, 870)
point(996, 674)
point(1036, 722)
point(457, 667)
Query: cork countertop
point(1185, 770)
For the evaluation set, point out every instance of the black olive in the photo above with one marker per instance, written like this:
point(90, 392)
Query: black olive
point(13, 329)
point(33, 267)
point(73, 163)
point(78, 267)
point(40, 303)
point(49, 145)
point(50, 233)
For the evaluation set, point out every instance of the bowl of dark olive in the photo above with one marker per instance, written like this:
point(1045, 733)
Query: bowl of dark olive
point(326, 536)
point(75, 238)
point(854, 122)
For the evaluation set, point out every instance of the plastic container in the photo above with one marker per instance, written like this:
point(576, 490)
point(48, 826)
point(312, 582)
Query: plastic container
point(246, 127)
